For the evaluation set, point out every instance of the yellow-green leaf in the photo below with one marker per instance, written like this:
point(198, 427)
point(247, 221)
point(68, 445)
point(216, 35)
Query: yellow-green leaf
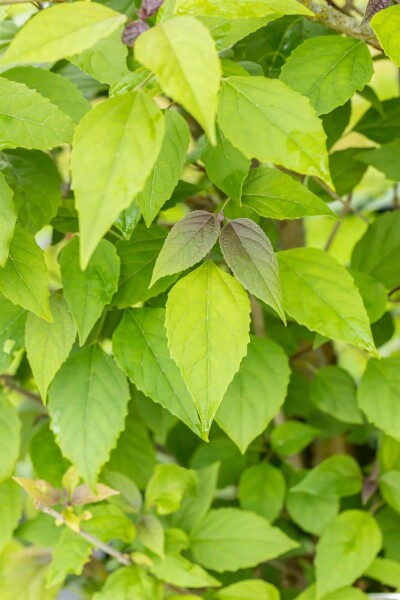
point(61, 31)
point(9, 436)
point(129, 130)
point(88, 404)
point(48, 344)
point(386, 24)
point(182, 54)
point(168, 167)
point(207, 322)
point(8, 218)
point(24, 278)
point(269, 121)
point(320, 294)
point(29, 120)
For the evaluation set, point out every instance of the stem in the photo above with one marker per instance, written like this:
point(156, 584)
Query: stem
point(119, 556)
point(393, 291)
point(334, 19)
point(9, 382)
point(257, 317)
point(144, 82)
point(336, 228)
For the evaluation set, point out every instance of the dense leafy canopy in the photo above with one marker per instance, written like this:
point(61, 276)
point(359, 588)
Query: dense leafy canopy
point(199, 291)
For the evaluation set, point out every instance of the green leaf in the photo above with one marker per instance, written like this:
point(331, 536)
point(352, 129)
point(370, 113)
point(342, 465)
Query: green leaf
point(385, 159)
point(293, 135)
point(48, 344)
point(328, 70)
point(141, 350)
point(87, 404)
point(12, 328)
point(10, 510)
point(350, 593)
point(276, 195)
point(378, 252)
point(373, 293)
point(151, 534)
point(9, 437)
point(8, 218)
point(320, 294)
point(24, 279)
point(179, 571)
point(134, 455)
point(28, 120)
point(207, 343)
point(226, 166)
point(194, 508)
point(386, 571)
point(223, 452)
point(262, 490)
point(61, 31)
point(381, 125)
point(182, 54)
point(346, 170)
point(336, 122)
point(29, 173)
point(253, 588)
point(346, 549)
point(232, 21)
point(133, 126)
point(138, 257)
point(59, 90)
point(130, 498)
point(70, 554)
point(88, 292)
point(158, 419)
point(256, 393)
point(130, 582)
point(334, 391)
point(47, 460)
point(187, 243)
point(292, 437)
point(234, 9)
point(250, 255)
point(128, 220)
point(109, 522)
point(389, 485)
point(338, 475)
point(381, 380)
point(228, 539)
point(310, 512)
point(386, 26)
point(105, 61)
point(168, 167)
point(167, 486)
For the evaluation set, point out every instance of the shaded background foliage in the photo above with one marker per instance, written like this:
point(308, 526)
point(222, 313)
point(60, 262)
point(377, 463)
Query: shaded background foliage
point(199, 287)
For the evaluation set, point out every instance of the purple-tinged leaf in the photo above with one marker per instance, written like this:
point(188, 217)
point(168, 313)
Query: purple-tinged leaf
point(132, 32)
point(149, 8)
point(186, 244)
point(249, 254)
point(373, 7)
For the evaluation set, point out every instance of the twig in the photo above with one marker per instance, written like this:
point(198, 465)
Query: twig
point(396, 203)
point(393, 291)
point(338, 21)
point(9, 382)
point(257, 317)
point(119, 556)
point(123, 559)
point(336, 228)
